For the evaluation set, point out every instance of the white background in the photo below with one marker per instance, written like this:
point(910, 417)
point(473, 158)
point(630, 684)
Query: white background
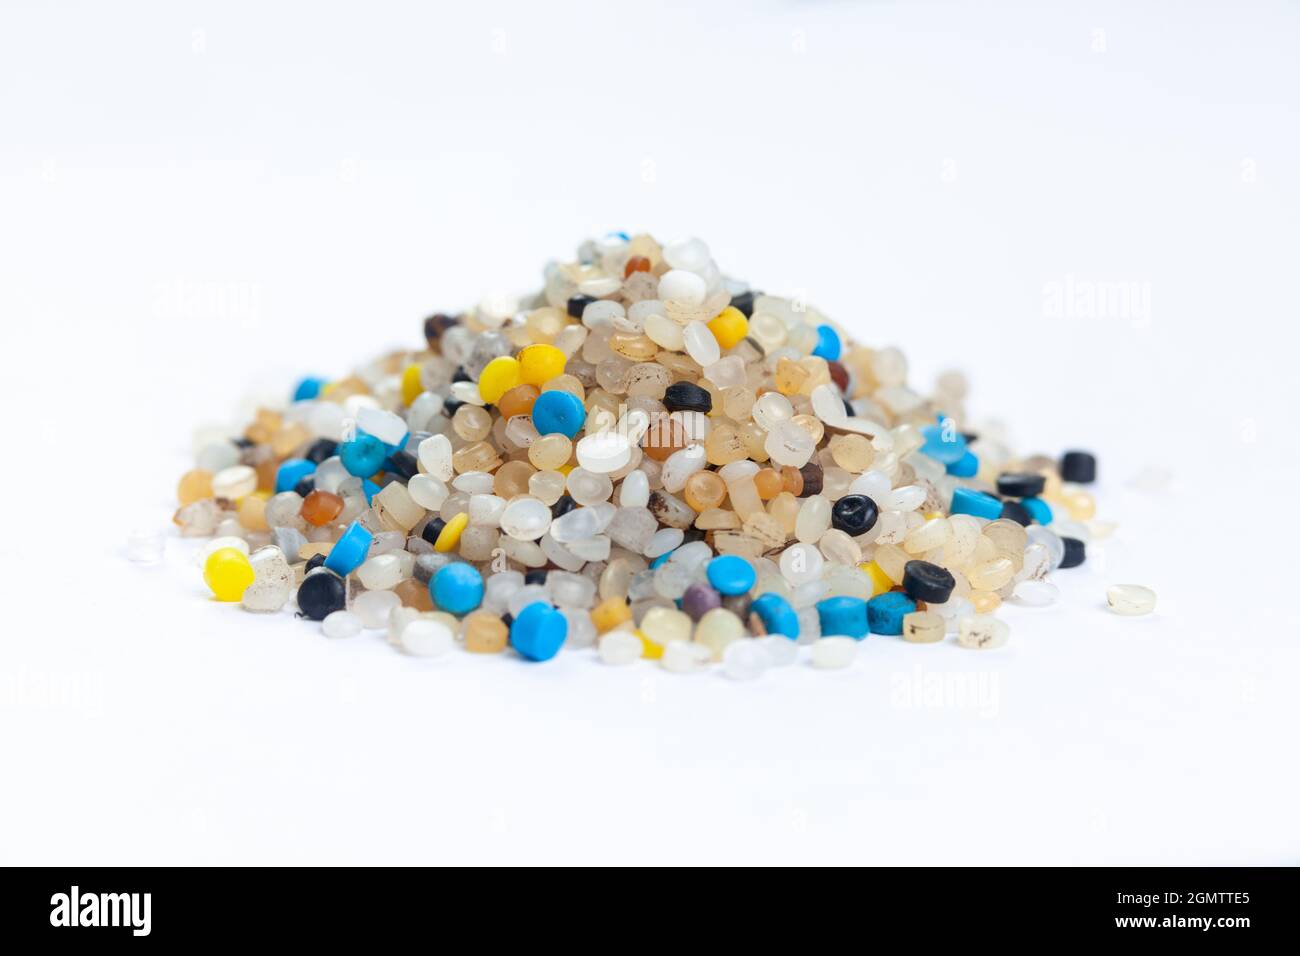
point(199, 199)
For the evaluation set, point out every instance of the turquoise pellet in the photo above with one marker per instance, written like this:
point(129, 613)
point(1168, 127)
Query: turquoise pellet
point(967, 501)
point(538, 632)
point(457, 588)
point(1038, 509)
point(843, 616)
point(349, 552)
point(885, 612)
point(967, 466)
point(944, 444)
point(292, 471)
point(731, 574)
point(558, 412)
point(777, 615)
point(828, 344)
point(308, 389)
point(363, 456)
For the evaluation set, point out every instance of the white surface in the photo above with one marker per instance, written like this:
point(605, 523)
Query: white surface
point(202, 197)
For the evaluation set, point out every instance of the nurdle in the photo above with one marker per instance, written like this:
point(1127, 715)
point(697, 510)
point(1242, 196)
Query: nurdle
point(645, 458)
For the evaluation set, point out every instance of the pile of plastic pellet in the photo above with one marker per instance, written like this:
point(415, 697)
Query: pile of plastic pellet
point(648, 458)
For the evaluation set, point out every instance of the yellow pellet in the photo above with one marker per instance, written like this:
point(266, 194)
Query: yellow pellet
point(499, 377)
point(411, 387)
point(538, 364)
point(729, 326)
point(880, 582)
point(609, 614)
point(449, 537)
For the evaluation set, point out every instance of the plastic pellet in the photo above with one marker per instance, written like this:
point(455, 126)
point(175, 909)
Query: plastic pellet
point(1130, 599)
point(885, 612)
point(982, 632)
point(321, 593)
point(457, 588)
point(228, 573)
point(923, 627)
point(643, 458)
point(927, 582)
point(538, 632)
point(341, 624)
point(834, 652)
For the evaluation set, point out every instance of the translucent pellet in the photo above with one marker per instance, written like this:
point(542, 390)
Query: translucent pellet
point(1130, 599)
point(834, 652)
point(145, 546)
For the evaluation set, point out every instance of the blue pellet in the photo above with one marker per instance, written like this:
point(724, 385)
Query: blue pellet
point(943, 443)
point(843, 616)
point(967, 466)
point(660, 560)
point(777, 615)
point(457, 588)
point(1038, 509)
point(731, 574)
point(828, 344)
point(363, 456)
point(370, 489)
point(558, 412)
point(350, 550)
point(308, 388)
point(967, 501)
point(885, 612)
point(538, 632)
point(292, 471)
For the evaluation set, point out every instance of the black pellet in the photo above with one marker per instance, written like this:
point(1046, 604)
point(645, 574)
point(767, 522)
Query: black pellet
point(432, 529)
point(1076, 552)
point(449, 406)
point(460, 375)
point(1021, 484)
point(403, 465)
point(563, 505)
point(535, 576)
point(687, 397)
point(745, 303)
point(1017, 513)
point(321, 449)
point(854, 515)
point(321, 594)
point(315, 561)
point(578, 303)
point(1079, 467)
point(927, 582)
point(305, 486)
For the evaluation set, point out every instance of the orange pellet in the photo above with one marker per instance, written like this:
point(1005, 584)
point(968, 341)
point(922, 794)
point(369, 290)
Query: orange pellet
point(518, 401)
point(610, 613)
point(636, 264)
point(769, 483)
point(663, 437)
point(195, 485)
point(792, 480)
point(705, 490)
point(321, 507)
point(251, 511)
point(414, 594)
